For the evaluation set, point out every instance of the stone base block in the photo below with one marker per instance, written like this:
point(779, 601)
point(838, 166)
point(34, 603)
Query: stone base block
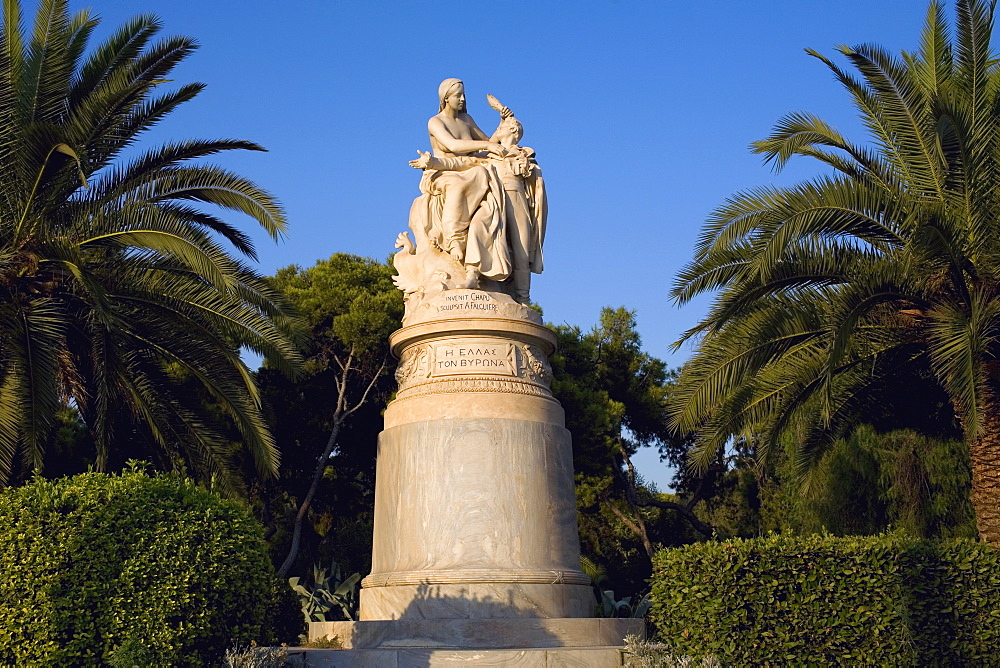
point(479, 634)
point(567, 657)
point(476, 600)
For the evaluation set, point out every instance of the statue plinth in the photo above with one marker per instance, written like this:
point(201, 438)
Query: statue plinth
point(476, 541)
point(475, 512)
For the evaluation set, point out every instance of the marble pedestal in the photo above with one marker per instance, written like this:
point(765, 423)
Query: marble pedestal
point(475, 542)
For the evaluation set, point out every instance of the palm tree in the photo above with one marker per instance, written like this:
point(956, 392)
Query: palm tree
point(116, 288)
point(827, 288)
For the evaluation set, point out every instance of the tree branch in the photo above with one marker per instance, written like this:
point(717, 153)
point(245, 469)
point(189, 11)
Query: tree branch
point(293, 550)
point(639, 530)
point(340, 415)
point(633, 499)
point(368, 389)
point(630, 496)
point(687, 513)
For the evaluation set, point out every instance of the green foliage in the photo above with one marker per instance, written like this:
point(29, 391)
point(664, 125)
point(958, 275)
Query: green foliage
point(350, 306)
point(133, 652)
point(869, 483)
point(327, 642)
point(349, 302)
point(827, 291)
point(119, 282)
point(99, 568)
point(614, 395)
point(615, 607)
point(613, 391)
point(822, 600)
point(324, 594)
point(866, 483)
point(726, 495)
point(926, 483)
point(284, 616)
point(594, 571)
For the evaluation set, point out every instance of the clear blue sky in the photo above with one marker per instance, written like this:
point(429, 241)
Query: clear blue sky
point(640, 113)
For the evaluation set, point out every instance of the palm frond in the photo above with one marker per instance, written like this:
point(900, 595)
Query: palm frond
point(904, 110)
point(10, 428)
point(932, 66)
point(823, 291)
point(115, 53)
point(962, 339)
point(118, 292)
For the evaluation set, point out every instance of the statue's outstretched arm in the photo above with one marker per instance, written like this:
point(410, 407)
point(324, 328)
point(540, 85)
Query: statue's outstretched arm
point(444, 164)
point(452, 144)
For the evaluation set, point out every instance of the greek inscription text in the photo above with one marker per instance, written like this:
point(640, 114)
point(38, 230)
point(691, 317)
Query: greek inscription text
point(492, 358)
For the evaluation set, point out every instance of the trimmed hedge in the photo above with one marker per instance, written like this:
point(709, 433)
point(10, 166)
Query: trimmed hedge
point(100, 567)
point(822, 600)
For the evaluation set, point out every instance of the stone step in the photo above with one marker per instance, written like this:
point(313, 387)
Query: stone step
point(548, 657)
point(479, 634)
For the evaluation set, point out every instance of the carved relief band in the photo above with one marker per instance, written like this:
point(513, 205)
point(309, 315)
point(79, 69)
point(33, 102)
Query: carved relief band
point(503, 349)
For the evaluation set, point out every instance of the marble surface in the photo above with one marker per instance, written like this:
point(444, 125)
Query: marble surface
point(465, 303)
point(479, 633)
point(482, 600)
point(591, 657)
point(475, 514)
point(475, 493)
point(480, 219)
point(470, 405)
point(502, 358)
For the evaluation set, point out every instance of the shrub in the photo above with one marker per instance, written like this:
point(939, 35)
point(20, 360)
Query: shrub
point(98, 568)
point(284, 616)
point(883, 600)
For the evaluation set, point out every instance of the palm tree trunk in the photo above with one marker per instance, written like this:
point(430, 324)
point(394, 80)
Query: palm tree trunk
point(984, 457)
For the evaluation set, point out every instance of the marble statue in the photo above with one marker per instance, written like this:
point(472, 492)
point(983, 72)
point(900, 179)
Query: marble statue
point(479, 221)
point(475, 548)
point(525, 203)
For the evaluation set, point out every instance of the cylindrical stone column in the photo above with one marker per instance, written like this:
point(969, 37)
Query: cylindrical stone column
point(475, 512)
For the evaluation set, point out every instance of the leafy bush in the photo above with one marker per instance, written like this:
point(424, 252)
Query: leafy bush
point(98, 568)
point(821, 600)
point(285, 622)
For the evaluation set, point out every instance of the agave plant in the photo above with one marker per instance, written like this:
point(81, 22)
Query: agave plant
point(615, 607)
point(115, 280)
point(322, 594)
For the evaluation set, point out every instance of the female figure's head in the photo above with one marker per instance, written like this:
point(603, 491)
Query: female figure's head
point(453, 91)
